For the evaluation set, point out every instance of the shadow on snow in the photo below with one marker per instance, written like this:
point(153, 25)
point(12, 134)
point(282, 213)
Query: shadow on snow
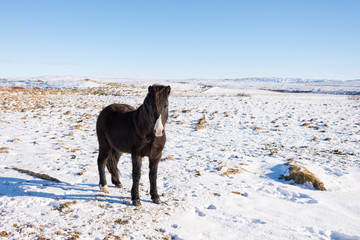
point(17, 187)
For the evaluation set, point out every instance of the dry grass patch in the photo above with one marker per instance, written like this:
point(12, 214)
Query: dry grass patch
point(87, 116)
point(76, 149)
point(273, 153)
point(4, 150)
point(177, 122)
point(82, 172)
point(239, 193)
point(78, 126)
point(170, 158)
point(220, 168)
point(64, 207)
point(243, 95)
point(198, 127)
point(174, 115)
point(230, 171)
point(200, 124)
point(121, 221)
point(62, 147)
point(197, 173)
point(4, 234)
point(316, 139)
point(35, 174)
point(15, 140)
point(302, 175)
point(256, 128)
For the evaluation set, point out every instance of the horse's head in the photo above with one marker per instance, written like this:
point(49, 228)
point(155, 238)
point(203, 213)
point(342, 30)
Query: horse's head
point(156, 104)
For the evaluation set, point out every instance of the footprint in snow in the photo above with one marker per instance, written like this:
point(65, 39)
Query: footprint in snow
point(200, 213)
point(284, 193)
point(258, 221)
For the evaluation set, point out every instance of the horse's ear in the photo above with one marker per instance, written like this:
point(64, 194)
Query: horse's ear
point(151, 89)
point(168, 89)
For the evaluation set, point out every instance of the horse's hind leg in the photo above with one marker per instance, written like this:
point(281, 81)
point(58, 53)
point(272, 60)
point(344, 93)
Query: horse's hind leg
point(103, 157)
point(112, 167)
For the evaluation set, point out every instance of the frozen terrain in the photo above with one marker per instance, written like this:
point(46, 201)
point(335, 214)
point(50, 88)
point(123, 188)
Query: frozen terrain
point(220, 181)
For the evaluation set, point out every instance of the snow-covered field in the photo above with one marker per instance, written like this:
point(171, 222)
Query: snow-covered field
point(217, 182)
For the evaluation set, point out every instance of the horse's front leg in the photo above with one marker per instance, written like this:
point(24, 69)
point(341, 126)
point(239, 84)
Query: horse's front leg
point(153, 166)
point(136, 174)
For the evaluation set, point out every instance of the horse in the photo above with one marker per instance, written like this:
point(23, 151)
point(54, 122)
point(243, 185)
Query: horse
point(122, 129)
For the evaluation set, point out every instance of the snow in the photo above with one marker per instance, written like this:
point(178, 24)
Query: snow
point(219, 182)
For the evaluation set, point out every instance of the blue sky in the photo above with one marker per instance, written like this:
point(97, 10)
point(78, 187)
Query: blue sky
point(180, 39)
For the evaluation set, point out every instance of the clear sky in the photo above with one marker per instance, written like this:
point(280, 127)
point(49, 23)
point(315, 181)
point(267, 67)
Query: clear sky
point(177, 39)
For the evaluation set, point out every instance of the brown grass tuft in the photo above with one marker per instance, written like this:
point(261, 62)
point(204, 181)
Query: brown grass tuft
point(220, 167)
point(197, 173)
point(242, 95)
point(301, 175)
point(4, 150)
point(170, 158)
point(76, 149)
point(202, 120)
point(78, 126)
point(121, 221)
point(64, 206)
point(230, 171)
point(4, 234)
point(314, 138)
point(200, 124)
point(82, 172)
point(256, 128)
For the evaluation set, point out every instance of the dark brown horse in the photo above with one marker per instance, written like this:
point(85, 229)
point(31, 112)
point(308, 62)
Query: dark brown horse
point(122, 129)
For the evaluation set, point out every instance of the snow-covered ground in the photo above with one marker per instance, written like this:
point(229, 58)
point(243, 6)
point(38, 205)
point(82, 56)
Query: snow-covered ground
point(218, 182)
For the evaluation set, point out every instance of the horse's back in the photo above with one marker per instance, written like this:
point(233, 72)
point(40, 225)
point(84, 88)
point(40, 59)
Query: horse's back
point(114, 109)
point(119, 108)
point(108, 114)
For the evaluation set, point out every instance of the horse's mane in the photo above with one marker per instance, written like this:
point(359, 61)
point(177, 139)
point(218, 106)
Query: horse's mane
point(141, 123)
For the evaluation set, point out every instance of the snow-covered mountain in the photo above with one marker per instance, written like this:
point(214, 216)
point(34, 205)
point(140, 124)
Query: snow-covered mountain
point(327, 86)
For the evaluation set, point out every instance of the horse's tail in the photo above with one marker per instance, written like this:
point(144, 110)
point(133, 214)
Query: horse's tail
point(112, 163)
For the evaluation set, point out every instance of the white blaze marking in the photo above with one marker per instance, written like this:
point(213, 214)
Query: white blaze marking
point(158, 129)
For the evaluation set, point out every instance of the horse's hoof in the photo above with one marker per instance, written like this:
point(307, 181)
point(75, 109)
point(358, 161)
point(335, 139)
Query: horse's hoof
point(136, 202)
point(156, 200)
point(104, 189)
point(118, 185)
